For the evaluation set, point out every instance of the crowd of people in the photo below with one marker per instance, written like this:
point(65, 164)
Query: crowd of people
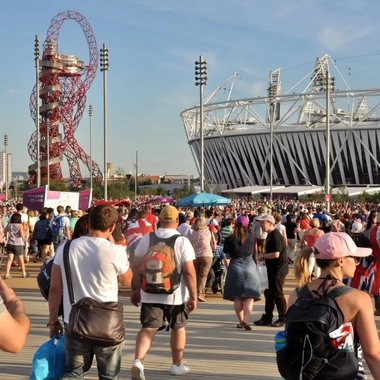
point(167, 283)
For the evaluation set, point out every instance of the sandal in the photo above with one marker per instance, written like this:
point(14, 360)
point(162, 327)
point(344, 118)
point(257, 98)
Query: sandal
point(239, 325)
point(8, 277)
point(246, 326)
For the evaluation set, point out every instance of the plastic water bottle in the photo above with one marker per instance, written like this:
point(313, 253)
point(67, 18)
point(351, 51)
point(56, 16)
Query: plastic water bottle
point(280, 340)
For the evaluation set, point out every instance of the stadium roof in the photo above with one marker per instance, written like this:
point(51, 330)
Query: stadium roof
point(354, 191)
point(252, 189)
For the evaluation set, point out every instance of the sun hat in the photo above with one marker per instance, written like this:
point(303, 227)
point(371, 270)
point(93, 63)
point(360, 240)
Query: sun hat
point(338, 244)
point(242, 221)
point(268, 217)
point(357, 228)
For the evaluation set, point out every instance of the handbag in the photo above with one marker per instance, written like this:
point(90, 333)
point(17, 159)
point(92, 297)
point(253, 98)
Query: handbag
point(98, 323)
point(263, 275)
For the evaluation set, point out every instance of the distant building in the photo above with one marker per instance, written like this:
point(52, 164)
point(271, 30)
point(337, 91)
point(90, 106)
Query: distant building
point(5, 165)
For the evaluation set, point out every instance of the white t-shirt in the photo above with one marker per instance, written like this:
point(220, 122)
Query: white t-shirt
point(65, 223)
point(95, 264)
point(183, 252)
point(213, 221)
point(185, 230)
point(24, 218)
point(2, 306)
point(281, 228)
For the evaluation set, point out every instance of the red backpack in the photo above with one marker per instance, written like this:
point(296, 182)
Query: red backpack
point(159, 274)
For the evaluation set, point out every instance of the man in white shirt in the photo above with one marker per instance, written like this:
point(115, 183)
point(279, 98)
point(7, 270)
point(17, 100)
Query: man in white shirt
point(174, 307)
point(60, 227)
point(184, 227)
point(96, 267)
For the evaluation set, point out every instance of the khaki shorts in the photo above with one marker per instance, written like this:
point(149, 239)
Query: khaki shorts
point(155, 315)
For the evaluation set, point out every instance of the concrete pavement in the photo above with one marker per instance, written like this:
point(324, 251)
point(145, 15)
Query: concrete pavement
point(216, 349)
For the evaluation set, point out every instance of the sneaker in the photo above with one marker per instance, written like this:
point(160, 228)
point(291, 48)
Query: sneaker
point(137, 370)
point(278, 323)
point(178, 370)
point(263, 322)
point(25, 275)
point(377, 313)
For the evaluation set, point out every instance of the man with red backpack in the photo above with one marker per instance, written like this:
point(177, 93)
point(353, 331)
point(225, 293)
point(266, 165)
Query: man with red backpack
point(164, 281)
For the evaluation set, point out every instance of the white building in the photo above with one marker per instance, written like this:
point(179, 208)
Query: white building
point(5, 165)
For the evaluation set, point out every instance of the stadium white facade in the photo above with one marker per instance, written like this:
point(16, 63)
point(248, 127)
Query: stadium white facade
point(237, 133)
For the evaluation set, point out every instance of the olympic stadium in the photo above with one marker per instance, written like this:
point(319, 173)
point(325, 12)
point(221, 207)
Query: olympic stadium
point(237, 133)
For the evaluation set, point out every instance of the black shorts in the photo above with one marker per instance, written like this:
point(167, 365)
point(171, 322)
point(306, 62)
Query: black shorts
point(43, 242)
point(155, 315)
point(17, 250)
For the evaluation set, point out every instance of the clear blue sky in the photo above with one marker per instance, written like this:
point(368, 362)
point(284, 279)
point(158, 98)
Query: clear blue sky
point(153, 45)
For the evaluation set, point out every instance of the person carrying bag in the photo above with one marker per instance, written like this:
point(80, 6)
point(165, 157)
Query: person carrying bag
point(86, 271)
point(98, 323)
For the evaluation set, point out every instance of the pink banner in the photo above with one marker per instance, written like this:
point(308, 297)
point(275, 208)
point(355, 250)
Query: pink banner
point(85, 197)
point(34, 199)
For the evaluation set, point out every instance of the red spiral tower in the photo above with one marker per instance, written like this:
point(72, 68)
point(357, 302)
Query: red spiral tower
point(63, 83)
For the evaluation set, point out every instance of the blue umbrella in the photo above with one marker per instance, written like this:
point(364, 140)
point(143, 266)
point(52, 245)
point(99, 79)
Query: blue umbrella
point(203, 199)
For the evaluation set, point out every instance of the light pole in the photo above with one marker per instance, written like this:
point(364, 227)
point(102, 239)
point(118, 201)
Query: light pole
point(6, 165)
point(201, 80)
point(136, 171)
point(48, 152)
point(272, 94)
point(104, 67)
point(330, 82)
point(90, 113)
point(37, 62)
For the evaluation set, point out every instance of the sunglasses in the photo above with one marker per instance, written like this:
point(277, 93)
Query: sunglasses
point(356, 259)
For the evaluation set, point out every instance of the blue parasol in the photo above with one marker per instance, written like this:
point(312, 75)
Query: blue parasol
point(203, 199)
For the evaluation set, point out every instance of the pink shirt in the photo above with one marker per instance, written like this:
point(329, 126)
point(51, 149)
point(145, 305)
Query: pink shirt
point(201, 242)
point(311, 240)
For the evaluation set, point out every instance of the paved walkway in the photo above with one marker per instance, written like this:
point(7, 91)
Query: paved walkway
point(216, 349)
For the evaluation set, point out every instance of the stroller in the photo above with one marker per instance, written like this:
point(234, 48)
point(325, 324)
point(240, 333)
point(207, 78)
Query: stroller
point(217, 275)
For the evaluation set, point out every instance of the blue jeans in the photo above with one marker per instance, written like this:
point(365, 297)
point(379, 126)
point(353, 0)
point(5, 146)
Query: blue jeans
point(57, 240)
point(79, 357)
point(377, 302)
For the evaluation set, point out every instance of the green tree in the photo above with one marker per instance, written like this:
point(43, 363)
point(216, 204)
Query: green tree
point(120, 171)
point(148, 191)
point(230, 195)
point(342, 195)
point(160, 190)
point(183, 193)
point(56, 185)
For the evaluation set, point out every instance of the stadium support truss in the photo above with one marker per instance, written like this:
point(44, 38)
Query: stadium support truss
point(237, 134)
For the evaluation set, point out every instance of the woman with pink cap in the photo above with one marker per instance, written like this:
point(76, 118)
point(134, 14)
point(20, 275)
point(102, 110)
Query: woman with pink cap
point(337, 256)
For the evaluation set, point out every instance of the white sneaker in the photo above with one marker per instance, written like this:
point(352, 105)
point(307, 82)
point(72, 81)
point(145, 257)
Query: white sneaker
point(137, 370)
point(179, 369)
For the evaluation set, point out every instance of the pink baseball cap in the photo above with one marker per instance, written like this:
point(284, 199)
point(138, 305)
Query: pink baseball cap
point(242, 220)
point(338, 244)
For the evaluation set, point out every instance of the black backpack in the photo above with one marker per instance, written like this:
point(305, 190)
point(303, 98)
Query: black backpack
point(308, 353)
point(44, 280)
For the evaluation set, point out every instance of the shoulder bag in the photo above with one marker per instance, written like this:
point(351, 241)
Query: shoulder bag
point(91, 321)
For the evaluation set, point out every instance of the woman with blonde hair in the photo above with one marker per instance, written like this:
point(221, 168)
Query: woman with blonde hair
point(204, 244)
point(309, 239)
point(337, 256)
point(242, 281)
